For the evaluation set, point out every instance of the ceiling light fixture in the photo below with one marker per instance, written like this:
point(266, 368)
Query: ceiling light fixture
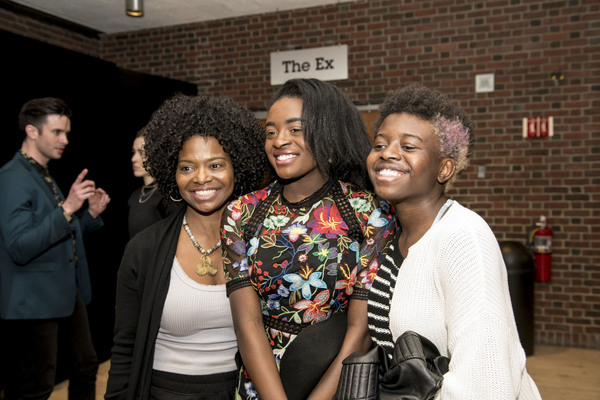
point(134, 8)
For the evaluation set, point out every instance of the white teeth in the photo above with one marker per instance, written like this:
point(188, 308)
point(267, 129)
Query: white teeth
point(285, 157)
point(203, 193)
point(389, 172)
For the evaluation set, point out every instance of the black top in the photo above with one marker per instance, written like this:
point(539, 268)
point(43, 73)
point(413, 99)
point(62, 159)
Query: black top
point(145, 209)
point(142, 284)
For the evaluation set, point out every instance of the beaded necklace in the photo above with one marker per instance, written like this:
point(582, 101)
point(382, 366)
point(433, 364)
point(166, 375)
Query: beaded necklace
point(205, 266)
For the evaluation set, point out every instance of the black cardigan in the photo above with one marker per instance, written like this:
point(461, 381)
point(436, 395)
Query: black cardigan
point(142, 285)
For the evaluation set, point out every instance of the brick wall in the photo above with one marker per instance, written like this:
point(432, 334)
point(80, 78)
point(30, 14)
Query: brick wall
point(444, 44)
point(37, 29)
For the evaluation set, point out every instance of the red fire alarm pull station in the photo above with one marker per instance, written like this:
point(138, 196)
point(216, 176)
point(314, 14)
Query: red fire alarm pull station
point(538, 127)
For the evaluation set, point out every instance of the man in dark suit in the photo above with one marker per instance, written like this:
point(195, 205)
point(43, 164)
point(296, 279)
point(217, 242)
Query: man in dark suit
point(44, 278)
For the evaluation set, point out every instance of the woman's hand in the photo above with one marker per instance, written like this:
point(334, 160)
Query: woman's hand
point(357, 339)
point(253, 345)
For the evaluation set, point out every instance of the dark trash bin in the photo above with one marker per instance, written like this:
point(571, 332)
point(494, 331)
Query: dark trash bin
point(520, 267)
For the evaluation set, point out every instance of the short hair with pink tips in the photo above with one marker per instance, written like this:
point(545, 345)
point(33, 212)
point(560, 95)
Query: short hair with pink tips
point(450, 123)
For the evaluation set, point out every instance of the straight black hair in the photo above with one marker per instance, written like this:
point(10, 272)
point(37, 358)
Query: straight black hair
point(334, 129)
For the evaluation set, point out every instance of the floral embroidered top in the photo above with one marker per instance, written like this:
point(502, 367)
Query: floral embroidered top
point(306, 259)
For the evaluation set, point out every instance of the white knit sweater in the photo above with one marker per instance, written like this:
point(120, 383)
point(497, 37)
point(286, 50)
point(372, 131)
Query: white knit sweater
point(452, 288)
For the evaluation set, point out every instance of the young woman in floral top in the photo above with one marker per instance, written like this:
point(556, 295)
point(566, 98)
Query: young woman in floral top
point(305, 248)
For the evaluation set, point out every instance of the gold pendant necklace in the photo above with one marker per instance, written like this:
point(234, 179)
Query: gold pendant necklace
point(205, 266)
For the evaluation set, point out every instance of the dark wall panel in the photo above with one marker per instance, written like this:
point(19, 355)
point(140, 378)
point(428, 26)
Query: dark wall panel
point(109, 106)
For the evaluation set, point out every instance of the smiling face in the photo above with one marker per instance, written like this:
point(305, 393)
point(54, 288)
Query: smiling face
point(285, 144)
point(204, 174)
point(49, 142)
point(405, 162)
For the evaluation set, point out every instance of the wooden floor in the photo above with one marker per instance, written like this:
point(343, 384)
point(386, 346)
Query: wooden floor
point(565, 373)
point(561, 373)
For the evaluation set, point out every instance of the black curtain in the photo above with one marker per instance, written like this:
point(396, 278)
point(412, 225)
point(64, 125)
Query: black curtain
point(109, 106)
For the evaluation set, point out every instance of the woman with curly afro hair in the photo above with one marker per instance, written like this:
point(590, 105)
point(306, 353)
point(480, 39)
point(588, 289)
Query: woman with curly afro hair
point(443, 276)
point(174, 336)
point(301, 253)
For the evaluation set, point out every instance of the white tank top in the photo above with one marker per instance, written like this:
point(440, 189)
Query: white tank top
point(196, 335)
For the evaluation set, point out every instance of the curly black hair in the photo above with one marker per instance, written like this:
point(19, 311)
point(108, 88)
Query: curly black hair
point(334, 129)
point(235, 127)
point(450, 123)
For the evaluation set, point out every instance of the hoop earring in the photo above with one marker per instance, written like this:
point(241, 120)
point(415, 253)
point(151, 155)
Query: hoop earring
point(175, 200)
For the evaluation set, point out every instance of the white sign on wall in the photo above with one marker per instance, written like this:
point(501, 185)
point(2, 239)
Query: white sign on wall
point(324, 63)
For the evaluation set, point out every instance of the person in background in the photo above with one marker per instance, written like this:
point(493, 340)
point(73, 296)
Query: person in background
point(443, 276)
point(146, 205)
point(300, 254)
point(174, 336)
point(44, 278)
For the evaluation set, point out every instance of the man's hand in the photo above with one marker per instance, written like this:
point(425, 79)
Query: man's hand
point(80, 191)
point(97, 202)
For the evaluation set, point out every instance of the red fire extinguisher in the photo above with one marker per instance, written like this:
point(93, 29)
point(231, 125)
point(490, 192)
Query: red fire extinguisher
point(541, 240)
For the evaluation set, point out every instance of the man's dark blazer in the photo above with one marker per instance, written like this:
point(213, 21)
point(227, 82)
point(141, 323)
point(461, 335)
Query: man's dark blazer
point(38, 276)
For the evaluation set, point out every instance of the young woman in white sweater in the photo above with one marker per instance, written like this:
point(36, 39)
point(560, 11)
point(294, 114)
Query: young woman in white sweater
point(444, 276)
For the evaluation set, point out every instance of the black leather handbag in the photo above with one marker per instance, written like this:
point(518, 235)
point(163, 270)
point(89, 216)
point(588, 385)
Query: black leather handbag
point(415, 372)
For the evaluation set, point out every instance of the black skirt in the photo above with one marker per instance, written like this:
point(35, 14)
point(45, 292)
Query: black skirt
point(170, 386)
